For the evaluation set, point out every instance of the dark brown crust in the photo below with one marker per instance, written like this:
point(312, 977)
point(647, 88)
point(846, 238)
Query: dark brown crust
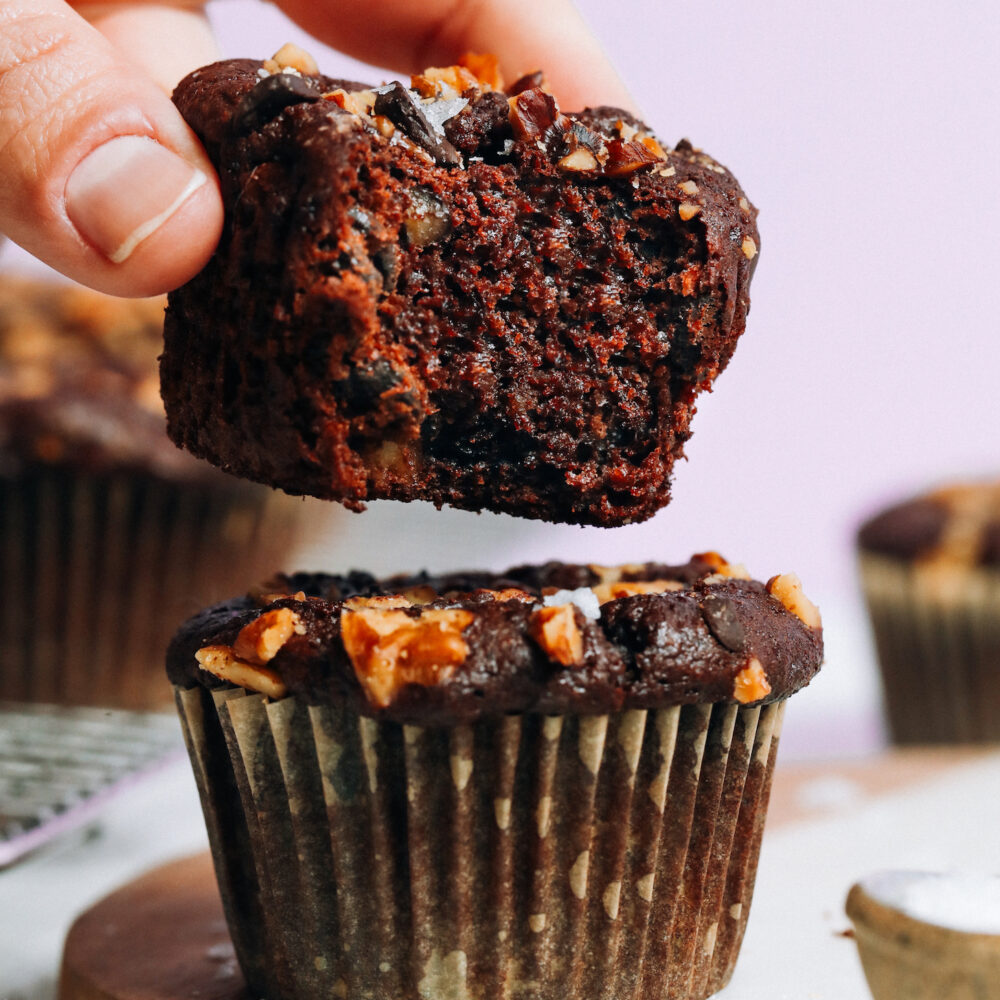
point(540, 356)
point(645, 651)
point(921, 528)
point(905, 531)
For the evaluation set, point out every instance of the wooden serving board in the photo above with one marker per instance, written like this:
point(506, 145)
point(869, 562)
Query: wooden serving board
point(161, 937)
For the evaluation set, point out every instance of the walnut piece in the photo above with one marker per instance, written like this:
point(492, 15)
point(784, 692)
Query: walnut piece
point(688, 210)
point(290, 56)
point(485, 67)
point(787, 588)
point(388, 649)
point(556, 631)
point(221, 661)
point(443, 81)
point(259, 642)
point(629, 588)
point(724, 570)
point(751, 683)
point(580, 159)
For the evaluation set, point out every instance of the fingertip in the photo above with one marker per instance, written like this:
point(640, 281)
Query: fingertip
point(178, 246)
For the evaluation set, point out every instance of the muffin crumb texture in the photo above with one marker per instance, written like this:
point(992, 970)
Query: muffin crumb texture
point(451, 290)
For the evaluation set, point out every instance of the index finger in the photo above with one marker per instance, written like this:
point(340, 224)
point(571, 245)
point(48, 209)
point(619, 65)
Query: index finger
point(525, 35)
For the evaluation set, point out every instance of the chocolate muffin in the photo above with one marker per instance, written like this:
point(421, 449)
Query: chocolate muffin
point(930, 570)
point(109, 535)
point(451, 291)
point(545, 783)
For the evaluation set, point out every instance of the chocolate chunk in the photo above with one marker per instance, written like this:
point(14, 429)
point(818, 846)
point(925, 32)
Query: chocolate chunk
point(367, 383)
point(270, 97)
point(399, 106)
point(720, 617)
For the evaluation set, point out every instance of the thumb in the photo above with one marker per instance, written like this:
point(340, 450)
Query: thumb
point(99, 175)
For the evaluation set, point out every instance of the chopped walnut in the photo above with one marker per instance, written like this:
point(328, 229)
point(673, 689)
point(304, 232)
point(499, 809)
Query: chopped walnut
point(751, 683)
point(290, 56)
point(688, 210)
point(629, 588)
point(358, 102)
point(485, 67)
point(260, 641)
point(388, 649)
point(749, 248)
point(556, 631)
point(688, 187)
point(787, 588)
point(443, 81)
point(580, 159)
point(386, 602)
point(724, 570)
point(223, 663)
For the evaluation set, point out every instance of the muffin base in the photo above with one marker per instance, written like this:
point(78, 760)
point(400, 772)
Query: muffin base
point(937, 635)
point(524, 857)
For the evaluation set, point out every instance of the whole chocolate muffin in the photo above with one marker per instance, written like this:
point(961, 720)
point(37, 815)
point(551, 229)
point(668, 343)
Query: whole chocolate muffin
point(451, 292)
point(539, 784)
point(109, 535)
point(930, 569)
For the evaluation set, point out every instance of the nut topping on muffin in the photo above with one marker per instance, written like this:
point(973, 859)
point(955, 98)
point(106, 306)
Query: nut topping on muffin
point(439, 649)
point(389, 649)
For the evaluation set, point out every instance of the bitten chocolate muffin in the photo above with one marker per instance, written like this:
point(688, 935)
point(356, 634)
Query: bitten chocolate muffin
point(930, 569)
point(541, 784)
point(451, 291)
point(109, 535)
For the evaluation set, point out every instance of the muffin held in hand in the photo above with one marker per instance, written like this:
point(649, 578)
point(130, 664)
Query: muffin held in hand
point(451, 291)
point(930, 568)
point(109, 536)
point(549, 783)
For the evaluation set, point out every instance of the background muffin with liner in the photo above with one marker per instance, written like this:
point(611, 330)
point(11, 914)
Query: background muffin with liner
point(930, 570)
point(546, 782)
point(109, 536)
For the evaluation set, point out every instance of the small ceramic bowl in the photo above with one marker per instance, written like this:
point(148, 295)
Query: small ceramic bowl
point(924, 936)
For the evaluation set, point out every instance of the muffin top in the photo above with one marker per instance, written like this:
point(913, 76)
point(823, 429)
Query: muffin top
point(955, 525)
point(79, 385)
point(553, 638)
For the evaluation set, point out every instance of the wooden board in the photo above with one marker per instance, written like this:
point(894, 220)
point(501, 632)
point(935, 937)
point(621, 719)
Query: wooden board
point(161, 937)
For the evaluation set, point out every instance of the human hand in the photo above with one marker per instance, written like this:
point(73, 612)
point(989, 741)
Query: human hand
point(99, 175)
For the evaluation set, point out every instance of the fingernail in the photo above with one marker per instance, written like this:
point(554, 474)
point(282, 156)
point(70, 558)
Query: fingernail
point(123, 191)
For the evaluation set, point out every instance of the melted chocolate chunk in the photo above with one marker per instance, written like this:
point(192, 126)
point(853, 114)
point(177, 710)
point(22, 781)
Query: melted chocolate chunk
point(400, 107)
point(720, 617)
point(271, 96)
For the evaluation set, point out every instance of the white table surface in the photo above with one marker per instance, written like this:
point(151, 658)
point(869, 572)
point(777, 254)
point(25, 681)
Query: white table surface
point(794, 950)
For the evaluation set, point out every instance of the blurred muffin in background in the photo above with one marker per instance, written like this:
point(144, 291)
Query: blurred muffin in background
point(109, 535)
point(930, 569)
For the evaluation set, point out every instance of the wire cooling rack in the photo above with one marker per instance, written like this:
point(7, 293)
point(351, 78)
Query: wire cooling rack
point(60, 766)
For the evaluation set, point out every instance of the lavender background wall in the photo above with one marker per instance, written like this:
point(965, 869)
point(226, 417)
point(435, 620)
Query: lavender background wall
point(868, 134)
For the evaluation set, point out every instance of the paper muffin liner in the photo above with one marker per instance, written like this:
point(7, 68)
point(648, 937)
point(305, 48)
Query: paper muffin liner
point(937, 636)
point(99, 570)
point(515, 858)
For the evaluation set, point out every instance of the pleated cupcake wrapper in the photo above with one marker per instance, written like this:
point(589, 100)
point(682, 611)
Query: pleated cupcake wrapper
point(938, 643)
point(518, 858)
point(98, 572)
